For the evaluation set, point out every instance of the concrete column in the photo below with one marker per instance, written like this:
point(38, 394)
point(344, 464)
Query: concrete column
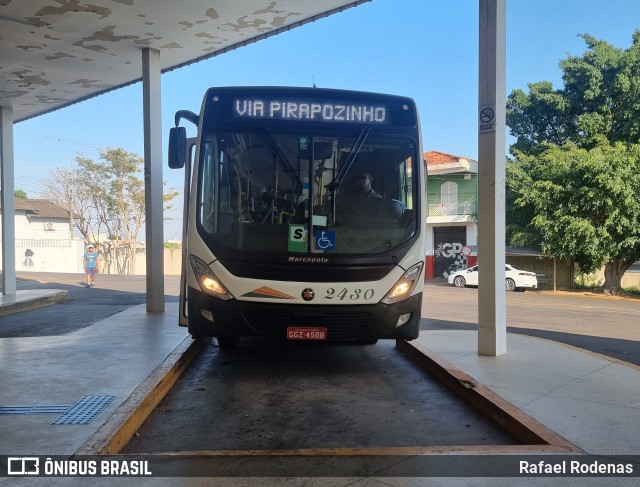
point(7, 186)
point(153, 178)
point(492, 331)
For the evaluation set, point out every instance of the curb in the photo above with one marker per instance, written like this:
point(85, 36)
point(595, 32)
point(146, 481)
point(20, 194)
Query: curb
point(118, 430)
point(497, 409)
point(18, 305)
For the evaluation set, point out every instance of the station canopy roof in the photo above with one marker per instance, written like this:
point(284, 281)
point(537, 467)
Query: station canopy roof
point(58, 52)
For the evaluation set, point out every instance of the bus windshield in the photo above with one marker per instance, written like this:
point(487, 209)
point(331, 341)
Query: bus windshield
point(271, 191)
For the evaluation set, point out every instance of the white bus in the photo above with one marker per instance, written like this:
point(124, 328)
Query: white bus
point(304, 215)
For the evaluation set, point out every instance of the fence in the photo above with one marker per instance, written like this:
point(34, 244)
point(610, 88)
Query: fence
point(446, 209)
point(38, 243)
point(47, 254)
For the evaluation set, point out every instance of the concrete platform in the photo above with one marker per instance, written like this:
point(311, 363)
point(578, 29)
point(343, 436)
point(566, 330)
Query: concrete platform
point(589, 400)
point(110, 358)
point(26, 299)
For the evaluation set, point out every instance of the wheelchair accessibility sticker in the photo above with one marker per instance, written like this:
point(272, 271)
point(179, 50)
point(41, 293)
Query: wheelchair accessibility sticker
point(325, 240)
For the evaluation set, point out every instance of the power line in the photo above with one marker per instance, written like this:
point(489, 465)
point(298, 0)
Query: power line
point(59, 139)
point(28, 181)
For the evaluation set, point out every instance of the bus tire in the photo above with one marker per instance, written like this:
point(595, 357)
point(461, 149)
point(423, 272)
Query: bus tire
point(228, 342)
point(202, 339)
point(367, 341)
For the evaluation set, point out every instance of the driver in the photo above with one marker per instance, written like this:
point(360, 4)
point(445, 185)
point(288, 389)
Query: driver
point(363, 186)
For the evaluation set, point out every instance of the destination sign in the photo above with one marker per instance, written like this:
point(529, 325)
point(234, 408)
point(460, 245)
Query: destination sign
point(311, 111)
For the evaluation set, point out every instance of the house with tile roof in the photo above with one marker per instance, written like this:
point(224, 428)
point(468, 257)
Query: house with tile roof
point(452, 228)
point(44, 238)
point(452, 198)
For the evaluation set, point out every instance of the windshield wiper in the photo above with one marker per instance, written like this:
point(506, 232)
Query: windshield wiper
point(344, 169)
point(275, 149)
point(355, 149)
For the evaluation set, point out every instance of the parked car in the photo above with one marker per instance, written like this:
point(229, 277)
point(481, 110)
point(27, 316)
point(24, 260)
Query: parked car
point(454, 268)
point(515, 279)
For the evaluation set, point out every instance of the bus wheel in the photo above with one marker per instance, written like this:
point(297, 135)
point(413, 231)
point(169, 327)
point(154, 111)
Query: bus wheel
point(228, 342)
point(367, 341)
point(202, 339)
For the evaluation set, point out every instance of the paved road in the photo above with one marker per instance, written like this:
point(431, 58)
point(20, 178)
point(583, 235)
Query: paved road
point(605, 325)
point(111, 294)
point(271, 394)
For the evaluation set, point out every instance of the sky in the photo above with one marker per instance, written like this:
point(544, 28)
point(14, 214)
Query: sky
point(424, 49)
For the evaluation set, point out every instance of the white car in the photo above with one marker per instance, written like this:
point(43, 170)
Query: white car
point(515, 279)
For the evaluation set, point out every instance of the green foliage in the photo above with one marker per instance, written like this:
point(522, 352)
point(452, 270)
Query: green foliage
point(20, 194)
point(584, 203)
point(115, 184)
point(538, 117)
point(598, 103)
point(586, 281)
point(574, 181)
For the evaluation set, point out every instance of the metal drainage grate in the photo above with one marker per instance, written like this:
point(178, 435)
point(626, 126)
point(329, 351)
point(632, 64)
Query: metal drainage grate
point(33, 409)
point(84, 411)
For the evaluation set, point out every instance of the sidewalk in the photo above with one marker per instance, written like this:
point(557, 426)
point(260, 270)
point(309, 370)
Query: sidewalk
point(589, 400)
point(109, 359)
point(26, 299)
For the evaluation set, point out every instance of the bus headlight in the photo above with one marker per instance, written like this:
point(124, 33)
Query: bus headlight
point(402, 289)
point(207, 280)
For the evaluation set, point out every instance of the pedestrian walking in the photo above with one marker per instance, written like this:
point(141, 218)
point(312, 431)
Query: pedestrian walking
point(90, 261)
point(28, 260)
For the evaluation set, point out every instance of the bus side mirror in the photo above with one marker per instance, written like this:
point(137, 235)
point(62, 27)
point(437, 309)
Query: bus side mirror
point(177, 147)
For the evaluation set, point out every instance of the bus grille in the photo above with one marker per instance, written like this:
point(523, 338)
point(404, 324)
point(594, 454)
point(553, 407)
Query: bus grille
point(282, 272)
point(340, 325)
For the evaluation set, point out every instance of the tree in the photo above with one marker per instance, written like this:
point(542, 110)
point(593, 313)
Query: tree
point(108, 197)
point(572, 185)
point(66, 187)
point(585, 205)
point(599, 101)
point(20, 194)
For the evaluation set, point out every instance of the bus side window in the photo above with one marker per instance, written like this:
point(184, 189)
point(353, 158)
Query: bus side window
point(207, 195)
point(408, 223)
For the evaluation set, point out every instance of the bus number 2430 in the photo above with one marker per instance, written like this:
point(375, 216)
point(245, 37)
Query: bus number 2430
point(351, 294)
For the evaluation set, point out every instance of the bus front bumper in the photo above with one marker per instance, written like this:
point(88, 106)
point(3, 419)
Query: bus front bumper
point(209, 316)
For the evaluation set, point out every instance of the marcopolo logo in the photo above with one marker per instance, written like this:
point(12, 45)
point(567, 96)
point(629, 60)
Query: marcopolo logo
point(23, 466)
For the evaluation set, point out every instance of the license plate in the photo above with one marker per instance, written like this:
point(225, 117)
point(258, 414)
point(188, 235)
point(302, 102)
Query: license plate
point(306, 333)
